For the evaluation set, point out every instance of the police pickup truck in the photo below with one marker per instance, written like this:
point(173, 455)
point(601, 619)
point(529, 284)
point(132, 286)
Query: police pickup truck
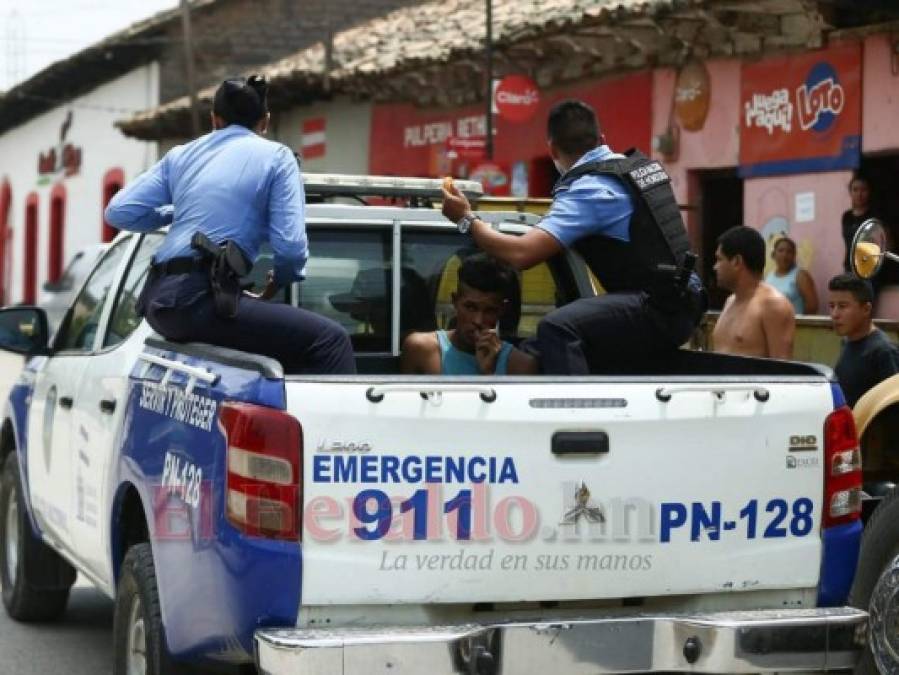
point(699, 515)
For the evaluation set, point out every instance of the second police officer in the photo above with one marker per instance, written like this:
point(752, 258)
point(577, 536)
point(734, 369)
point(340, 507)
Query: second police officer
point(619, 212)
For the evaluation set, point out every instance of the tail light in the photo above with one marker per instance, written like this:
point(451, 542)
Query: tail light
point(842, 469)
point(264, 486)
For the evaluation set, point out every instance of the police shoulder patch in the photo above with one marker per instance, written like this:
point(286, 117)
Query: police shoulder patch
point(648, 176)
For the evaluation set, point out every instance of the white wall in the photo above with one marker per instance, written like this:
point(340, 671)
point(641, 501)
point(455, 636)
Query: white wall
point(347, 133)
point(103, 147)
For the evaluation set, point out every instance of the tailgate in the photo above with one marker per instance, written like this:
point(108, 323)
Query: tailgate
point(557, 491)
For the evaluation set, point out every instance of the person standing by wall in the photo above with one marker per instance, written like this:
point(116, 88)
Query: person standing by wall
point(795, 283)
point(859, 212)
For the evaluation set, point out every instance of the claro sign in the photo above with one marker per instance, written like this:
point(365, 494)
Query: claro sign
point(517, 98)
point(802, 113)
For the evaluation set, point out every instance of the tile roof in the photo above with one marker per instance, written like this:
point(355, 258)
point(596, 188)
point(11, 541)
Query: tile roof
point(413, 45)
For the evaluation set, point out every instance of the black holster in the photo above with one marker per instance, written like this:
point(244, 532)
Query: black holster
point(670, 292)
point(227, 264)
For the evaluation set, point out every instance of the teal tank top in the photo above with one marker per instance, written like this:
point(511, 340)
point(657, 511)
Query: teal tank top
point(788, 285)
point(456, 362)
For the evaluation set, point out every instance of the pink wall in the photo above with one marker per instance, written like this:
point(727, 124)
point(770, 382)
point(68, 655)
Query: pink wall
point(717, 144)
point(880, 95)
point(770, 206)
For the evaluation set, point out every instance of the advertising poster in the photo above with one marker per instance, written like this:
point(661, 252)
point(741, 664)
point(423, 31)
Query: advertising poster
point(801, 113)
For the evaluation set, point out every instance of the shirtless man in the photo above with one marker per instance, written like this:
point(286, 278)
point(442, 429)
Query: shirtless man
point(472, 347)
point(757, 320)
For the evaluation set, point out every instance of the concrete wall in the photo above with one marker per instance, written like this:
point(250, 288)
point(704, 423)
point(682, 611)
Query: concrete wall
point(717, 144)
point(769, 205)
point(347, 134)
point(103, 148)
point(880, 96)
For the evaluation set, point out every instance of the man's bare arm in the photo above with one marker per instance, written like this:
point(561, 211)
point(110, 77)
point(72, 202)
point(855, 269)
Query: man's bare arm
point(779, 324)
point(420, 355)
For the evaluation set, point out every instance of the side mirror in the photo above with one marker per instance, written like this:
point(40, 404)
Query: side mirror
point(23, 330)
point(869, 249)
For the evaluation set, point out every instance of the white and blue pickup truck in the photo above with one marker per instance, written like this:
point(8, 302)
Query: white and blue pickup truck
point(701, 515)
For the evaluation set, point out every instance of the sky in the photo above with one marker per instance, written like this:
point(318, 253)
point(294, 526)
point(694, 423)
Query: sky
point(35, 33)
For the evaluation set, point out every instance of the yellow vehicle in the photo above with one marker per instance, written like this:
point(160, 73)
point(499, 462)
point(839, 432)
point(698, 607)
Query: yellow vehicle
point(534, 205)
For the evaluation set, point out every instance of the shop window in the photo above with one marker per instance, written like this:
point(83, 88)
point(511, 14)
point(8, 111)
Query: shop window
point(29, 269)
point(5, 205)
point(112, 183)
point(56, 244)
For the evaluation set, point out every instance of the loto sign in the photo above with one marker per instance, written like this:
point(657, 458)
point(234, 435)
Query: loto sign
point(801, 113)
point(517, 98)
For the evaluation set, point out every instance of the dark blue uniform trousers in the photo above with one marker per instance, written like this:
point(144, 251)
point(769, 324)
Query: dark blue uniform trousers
point(616, 333)
point(180, 308)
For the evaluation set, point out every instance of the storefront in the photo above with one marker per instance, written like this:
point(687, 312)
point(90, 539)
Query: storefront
point(412, 141)
point(780, 139)
point(800, 140)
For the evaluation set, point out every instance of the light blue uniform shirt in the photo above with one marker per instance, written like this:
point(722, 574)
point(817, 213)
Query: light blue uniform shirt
point(592, 205)
point(229, 184)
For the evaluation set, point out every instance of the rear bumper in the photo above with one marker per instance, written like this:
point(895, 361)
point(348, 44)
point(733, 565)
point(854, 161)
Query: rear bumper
point(733, 642)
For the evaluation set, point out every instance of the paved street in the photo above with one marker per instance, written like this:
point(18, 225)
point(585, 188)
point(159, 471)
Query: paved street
point(78, 644)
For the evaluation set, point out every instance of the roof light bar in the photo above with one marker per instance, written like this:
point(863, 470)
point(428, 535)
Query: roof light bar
point(323, 184)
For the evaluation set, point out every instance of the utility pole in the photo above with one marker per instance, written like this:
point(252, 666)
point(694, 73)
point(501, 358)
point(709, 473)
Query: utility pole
point(488, 145)
point(189, 60)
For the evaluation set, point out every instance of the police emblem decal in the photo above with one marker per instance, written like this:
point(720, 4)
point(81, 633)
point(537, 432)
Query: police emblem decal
point(583, 507)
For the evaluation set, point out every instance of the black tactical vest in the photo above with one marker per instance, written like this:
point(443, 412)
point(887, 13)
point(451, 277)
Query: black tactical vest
point(657, 232)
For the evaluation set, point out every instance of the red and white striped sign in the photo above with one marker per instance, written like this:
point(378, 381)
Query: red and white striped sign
point(313, 138)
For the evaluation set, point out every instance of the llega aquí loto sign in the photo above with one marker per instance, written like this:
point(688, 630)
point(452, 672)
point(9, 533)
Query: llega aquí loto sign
point(801, 113)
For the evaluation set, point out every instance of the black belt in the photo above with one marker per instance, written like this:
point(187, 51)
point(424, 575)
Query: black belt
point(185, 265)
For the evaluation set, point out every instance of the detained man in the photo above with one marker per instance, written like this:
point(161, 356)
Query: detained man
point(757, 320)
point(473, 347)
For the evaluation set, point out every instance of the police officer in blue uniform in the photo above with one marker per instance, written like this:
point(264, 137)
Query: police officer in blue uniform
point(619, 212)
point(223, 195)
